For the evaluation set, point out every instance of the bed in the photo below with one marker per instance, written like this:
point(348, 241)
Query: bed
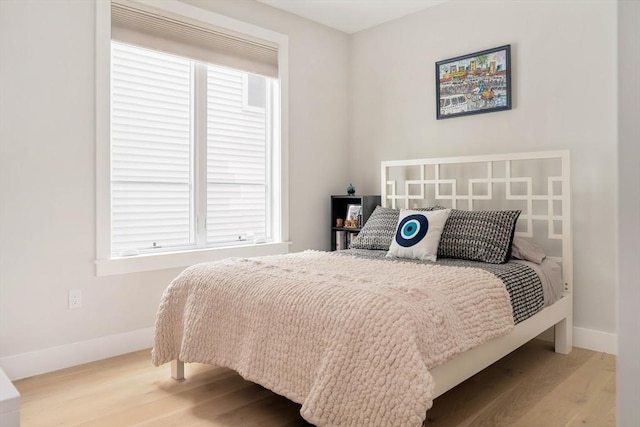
point(358, 338)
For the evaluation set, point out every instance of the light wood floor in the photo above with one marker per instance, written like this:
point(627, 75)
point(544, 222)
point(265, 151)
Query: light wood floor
point(533, 386)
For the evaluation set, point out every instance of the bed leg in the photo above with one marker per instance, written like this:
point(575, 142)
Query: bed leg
point(177, 369)
point(564, 336)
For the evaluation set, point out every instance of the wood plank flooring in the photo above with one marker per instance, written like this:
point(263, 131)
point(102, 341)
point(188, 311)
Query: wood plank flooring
point(532, 386)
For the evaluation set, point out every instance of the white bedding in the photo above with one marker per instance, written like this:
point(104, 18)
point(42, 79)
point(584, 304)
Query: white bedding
point(550, 274)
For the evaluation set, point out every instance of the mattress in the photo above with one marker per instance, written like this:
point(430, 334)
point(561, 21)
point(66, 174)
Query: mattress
point(531, 287)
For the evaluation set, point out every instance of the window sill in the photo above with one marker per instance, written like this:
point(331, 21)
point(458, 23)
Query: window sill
point(166, 260)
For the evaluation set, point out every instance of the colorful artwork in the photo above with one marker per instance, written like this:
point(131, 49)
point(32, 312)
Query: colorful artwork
point(476, 83)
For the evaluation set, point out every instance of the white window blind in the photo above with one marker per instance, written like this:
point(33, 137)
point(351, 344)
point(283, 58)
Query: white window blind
point(191, 163)
point(159, 31)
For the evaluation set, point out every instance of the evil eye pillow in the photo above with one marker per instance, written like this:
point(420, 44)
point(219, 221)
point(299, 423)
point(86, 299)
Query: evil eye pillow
point(418, 234)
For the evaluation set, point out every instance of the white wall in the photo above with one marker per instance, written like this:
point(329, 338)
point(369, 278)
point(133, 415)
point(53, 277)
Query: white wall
point(628, 369)
point(564, 91)
point(47, 170)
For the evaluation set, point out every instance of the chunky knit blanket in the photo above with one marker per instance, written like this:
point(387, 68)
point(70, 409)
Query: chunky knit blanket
point(349, 339)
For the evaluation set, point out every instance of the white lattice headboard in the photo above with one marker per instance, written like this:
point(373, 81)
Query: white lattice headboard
point(539, 184)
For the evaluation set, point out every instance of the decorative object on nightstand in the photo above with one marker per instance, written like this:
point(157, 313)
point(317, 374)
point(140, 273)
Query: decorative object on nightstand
point(351, 190)
point(354, 211)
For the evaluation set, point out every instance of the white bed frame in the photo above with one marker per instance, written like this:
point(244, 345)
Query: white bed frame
point(430, 176)
point(428, 182)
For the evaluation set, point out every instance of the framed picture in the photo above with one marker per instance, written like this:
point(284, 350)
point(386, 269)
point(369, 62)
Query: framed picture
point(472, 84)
point(354, 214)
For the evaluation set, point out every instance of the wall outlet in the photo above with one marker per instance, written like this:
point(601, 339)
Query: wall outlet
point(75, 298)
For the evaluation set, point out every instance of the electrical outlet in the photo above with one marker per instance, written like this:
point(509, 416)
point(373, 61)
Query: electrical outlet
point(75, 298)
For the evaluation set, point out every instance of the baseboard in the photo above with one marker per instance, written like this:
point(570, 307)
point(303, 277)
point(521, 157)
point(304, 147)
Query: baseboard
point(592, 339)
point(51, 359)
point(589, 339)
point(38, 362)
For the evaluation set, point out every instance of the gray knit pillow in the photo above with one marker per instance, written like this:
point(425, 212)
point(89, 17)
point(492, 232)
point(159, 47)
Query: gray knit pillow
point(380, 228)
point(478, 235)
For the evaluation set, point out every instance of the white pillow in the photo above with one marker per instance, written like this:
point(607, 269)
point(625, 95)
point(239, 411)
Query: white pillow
point(527, 250)
point(418, 234)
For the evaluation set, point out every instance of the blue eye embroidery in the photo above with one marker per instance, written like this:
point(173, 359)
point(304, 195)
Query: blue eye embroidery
point(412, 230)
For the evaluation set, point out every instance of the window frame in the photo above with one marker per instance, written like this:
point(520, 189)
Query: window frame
point(106, 264)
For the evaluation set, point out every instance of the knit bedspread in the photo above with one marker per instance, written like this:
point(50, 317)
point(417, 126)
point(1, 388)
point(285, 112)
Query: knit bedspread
point(352, 340)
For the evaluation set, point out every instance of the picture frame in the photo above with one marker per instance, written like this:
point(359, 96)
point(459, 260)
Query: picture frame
point(476, 83)
point(354, 213)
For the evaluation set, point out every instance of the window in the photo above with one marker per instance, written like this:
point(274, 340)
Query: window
point(158, 145)
point(238, 207)
point(196, 148)
point(151, 151)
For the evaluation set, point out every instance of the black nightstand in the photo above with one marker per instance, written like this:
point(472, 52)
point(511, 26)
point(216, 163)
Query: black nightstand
point(341, 237)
